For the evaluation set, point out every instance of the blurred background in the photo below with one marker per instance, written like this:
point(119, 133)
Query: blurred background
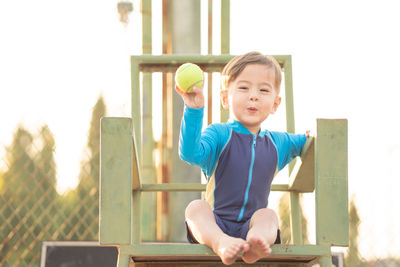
point(64, 65)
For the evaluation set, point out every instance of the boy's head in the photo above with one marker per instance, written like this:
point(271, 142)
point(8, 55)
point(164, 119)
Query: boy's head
point(250, 89)
point(236, 65)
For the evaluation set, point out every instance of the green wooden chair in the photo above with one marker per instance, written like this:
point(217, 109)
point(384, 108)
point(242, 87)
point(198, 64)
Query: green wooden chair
point(321, 168)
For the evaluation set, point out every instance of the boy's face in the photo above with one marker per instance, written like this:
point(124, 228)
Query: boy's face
point(252, 96)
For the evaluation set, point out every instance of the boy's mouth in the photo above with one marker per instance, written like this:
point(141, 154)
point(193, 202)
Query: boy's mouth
point(252, 109)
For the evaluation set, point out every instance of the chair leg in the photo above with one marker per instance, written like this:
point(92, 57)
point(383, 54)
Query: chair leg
point(325, 261)
point(123, 260)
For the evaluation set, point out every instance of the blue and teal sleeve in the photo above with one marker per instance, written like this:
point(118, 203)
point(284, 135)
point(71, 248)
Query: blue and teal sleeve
point(288, 146)
point(197, 147)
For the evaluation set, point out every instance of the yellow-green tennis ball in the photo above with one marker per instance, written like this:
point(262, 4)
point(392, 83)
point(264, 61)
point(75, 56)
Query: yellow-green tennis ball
point(187, 76)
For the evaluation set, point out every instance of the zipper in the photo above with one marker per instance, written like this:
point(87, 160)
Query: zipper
point(246, 194)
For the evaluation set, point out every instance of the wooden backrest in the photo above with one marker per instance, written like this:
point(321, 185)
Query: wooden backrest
point(209, 63)
point(323, 164)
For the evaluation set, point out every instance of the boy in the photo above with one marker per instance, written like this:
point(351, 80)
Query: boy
point(238, 159)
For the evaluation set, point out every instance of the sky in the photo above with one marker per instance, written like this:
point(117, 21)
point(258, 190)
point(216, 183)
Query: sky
point(57, 58)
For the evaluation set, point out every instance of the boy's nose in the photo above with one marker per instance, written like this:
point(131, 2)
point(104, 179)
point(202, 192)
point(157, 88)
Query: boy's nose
point(253, 95)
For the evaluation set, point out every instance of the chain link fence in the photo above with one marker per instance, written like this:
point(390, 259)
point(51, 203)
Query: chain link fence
point(32, 211)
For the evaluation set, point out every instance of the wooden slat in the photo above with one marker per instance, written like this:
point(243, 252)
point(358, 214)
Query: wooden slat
point(115, 180)
point(169, 63)
point(182, 250)
point(331, 182)
point(302, 177)
point(188, 187)
point(136, 107)
point(215, 261)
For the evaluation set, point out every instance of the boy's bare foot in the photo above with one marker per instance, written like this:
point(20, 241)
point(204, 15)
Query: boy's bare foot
point(227, 248)
point(259, 248)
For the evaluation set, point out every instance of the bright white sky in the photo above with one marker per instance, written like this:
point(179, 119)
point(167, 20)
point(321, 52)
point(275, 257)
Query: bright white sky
point(57, 57)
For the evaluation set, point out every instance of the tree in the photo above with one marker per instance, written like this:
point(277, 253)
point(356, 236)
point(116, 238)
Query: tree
point(353, 258)
point(17, 181)
point(28, 193)
point(46, 194)
point(88, 187)
point(284, 215)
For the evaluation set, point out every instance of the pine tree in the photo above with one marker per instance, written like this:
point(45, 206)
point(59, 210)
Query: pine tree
point(284, 216)
point(16, 192)
point(46, 194)
point(88, 187)
point(353, 257)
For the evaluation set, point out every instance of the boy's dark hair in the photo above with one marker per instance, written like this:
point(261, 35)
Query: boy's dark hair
point(236, 65)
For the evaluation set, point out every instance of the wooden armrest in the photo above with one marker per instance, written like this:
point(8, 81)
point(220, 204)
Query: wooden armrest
point(115, 181)
point(302, 178)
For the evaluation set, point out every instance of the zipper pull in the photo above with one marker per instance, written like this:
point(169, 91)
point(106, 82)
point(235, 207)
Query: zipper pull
point(254, 140)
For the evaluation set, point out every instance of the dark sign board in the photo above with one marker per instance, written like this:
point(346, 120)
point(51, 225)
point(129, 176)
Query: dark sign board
point(77, 254)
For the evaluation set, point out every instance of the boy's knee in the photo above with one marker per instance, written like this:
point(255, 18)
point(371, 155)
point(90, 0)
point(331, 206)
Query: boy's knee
point(195, 206)
point(268, 214)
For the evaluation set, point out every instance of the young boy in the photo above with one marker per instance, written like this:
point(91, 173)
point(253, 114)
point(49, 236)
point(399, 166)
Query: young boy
point(238, 159)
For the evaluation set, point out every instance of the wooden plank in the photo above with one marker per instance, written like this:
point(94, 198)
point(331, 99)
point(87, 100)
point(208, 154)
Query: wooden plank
point(136, 172)
point(331, 192)
point(193, 187)
point(149, 205)
point(287, 68)
point(179, 59)
point(191, 250)
point(225, 26)
point(215, 260)
point(302, 178)
point(136, 106)
point(219, 264)
point(115, 181)
point(295, 219)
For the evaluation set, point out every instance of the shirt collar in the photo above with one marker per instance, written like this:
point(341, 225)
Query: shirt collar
point(238, 127)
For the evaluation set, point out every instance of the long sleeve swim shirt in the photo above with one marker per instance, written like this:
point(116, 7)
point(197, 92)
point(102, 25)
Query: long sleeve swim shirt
point(239, 165)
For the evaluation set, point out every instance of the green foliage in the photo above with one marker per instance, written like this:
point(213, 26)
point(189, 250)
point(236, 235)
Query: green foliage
point(353, 257)
point(28, 193)
point(31, 210)
point(88, 188)
point(284, 216)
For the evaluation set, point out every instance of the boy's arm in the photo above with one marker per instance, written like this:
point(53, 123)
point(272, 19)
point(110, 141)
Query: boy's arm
point(197, 147)
point(289, 146)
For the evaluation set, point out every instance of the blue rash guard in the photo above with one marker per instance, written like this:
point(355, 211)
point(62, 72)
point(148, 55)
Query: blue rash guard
point(239, 165)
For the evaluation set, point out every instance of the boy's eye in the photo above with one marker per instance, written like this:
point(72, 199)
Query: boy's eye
point(243, 87)
point(264, 90)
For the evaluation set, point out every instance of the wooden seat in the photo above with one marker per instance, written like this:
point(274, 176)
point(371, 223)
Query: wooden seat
point(321, 168)
point(199, 255)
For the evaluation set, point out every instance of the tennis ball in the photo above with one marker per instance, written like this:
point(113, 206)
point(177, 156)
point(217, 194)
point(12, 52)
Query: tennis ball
point(187, 76)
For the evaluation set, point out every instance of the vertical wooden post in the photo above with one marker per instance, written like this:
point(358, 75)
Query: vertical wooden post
point(209, 75)
point(225, 26)
point(115, 181)
point(166, 120)
point(123, 260)
point(136, 109)
point(148, 145)
point(184, 22)
point(331, 192)
point(225, 41)
point(295, 211)
point(295, 219)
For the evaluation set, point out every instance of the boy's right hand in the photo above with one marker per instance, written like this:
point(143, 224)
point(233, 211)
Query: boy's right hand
point(194, 99)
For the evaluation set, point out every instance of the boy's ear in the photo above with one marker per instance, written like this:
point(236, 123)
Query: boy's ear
point(224, 99)
point(277, 102)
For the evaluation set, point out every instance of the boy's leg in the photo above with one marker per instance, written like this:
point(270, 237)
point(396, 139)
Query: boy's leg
point(262, 233)
point(204, 228)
